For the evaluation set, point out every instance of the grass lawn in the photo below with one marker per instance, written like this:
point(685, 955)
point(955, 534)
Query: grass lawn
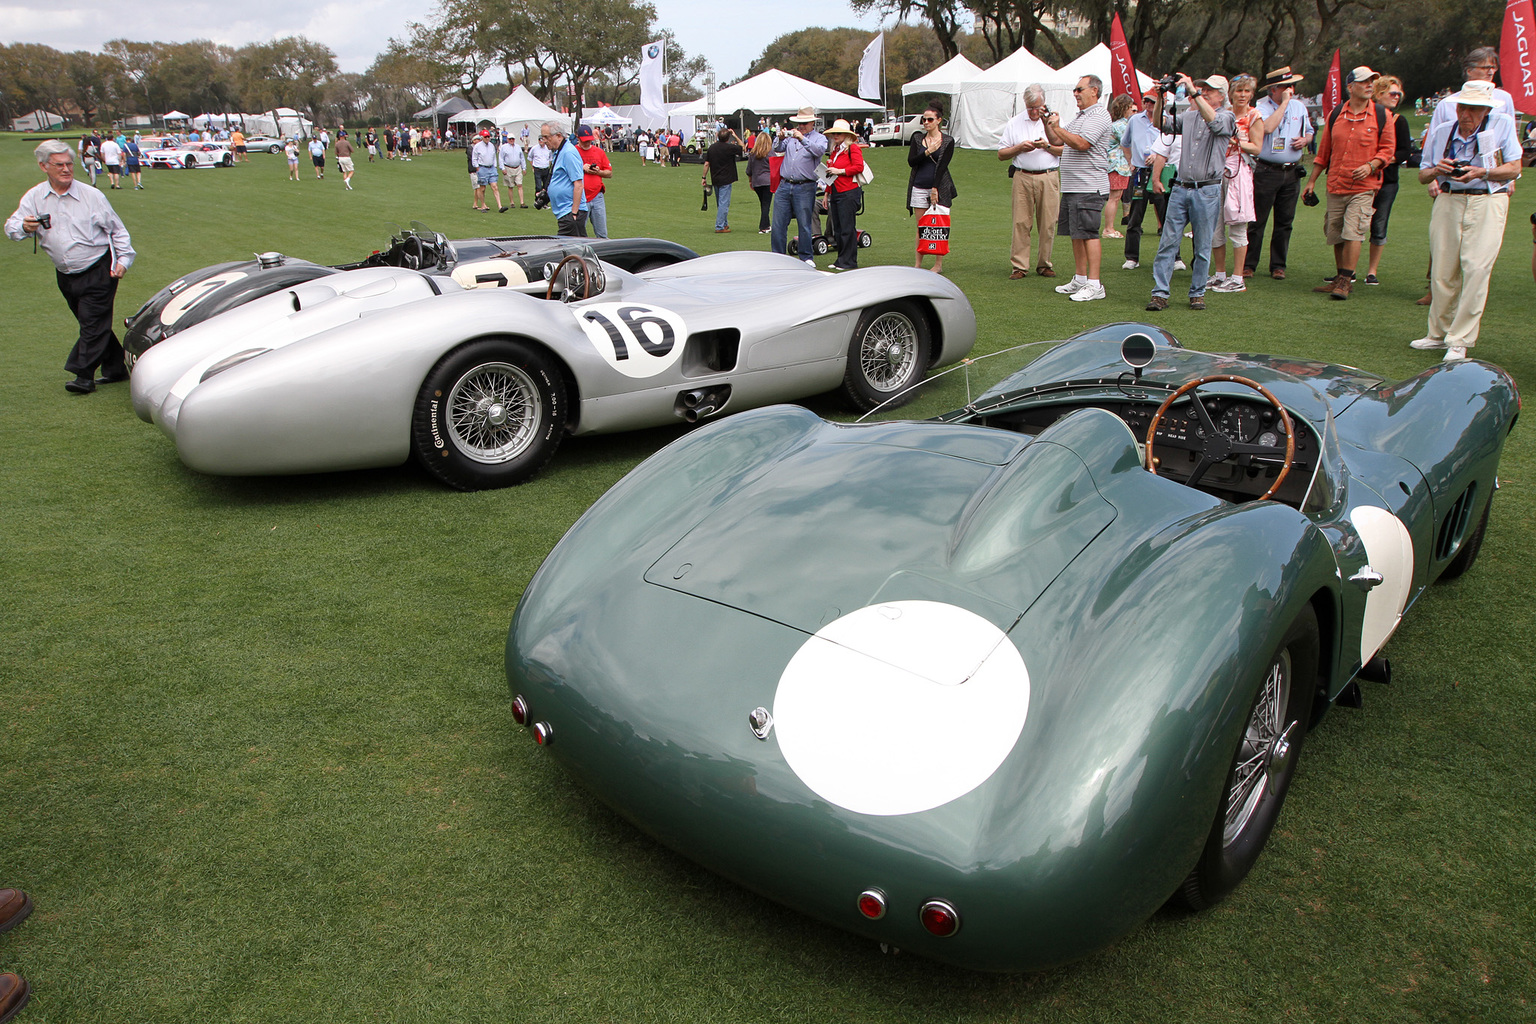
point(258, 762)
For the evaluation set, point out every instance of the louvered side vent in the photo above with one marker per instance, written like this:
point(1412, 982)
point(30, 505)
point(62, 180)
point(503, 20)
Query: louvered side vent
point(1454, 529)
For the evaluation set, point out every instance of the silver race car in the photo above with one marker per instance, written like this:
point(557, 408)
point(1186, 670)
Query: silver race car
point(480, 375)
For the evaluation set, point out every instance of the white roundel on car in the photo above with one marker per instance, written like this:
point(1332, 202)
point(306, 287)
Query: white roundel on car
point(489, 274)
point(1389, 550)
point(193, 294)
point(901, 707)
point(637, 339)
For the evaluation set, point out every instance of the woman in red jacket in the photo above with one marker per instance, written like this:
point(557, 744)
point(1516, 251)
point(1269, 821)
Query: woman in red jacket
point(845, 162)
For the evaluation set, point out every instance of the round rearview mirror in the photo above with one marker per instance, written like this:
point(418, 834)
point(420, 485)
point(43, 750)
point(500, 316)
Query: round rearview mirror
point(1138, 350)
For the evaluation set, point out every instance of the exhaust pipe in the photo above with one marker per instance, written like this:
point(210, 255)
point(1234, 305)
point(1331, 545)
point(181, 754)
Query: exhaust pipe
point(698, 412)
point(692, 406)
point(691, 399)
point(1377, 670)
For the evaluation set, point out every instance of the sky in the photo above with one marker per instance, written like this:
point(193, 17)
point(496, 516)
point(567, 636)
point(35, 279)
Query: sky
point(357, 30)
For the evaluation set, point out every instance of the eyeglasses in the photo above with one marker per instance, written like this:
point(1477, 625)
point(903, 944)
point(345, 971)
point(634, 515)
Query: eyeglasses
point(1077, 88)
point(1395, 93)
point(927, 119)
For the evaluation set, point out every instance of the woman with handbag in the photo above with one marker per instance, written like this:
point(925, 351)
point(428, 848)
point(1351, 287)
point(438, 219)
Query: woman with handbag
point(930, 185)
point(759, 175)
point(845, 162)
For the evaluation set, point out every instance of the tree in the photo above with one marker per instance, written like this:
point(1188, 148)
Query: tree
point(30, 79)
point(90, 77)
point(943, 16)
point(287, 72)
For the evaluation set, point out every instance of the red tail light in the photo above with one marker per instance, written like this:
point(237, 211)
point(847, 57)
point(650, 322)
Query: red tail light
point(872, 904)
point(543, 734)
point(519, 710)
point(940, 919)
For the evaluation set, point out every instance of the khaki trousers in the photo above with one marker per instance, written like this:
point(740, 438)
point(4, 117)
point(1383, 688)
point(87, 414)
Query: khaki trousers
point(1465, 233)
point(1036, 206)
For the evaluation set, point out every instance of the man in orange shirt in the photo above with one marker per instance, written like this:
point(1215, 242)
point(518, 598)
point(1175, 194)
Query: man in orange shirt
point(1354, 147)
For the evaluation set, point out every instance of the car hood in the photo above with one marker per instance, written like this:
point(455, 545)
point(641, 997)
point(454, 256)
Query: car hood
point(972, 517)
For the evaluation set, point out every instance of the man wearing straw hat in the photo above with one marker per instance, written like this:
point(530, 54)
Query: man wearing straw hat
point(803, 147)
point(1474, 160)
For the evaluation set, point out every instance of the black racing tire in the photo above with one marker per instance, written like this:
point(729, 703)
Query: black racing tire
point(491, 413)
point(1467, 556)
point(887, 354)
point(1261, 770)
point(190, 163)
point(228, 161)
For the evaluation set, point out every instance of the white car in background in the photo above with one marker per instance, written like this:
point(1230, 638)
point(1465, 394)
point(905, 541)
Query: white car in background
point(895, 133)
point(191, 154)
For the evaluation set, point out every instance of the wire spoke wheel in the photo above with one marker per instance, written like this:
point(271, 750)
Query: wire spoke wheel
point(493, 412)
point(888, 353)
point(1265, 746)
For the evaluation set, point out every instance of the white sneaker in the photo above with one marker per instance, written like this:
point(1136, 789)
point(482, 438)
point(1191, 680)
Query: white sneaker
point(1071, 286)
point(1129, 265)
point(1179, 265)
point(1427, 343)
point(1089, 292)
point(809, 263)
point(1232, 284)
point(1452, 354)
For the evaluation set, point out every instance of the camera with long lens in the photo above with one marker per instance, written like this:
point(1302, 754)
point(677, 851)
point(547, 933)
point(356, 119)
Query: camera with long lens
point(1168, 83)
point(541, 199)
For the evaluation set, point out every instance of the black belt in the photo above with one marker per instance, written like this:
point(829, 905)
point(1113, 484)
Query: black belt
point(1271, 163)
point(1200, 184)
point(1027, 170)
point(799, 181)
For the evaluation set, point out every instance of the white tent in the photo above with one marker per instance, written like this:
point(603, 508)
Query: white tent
point(1095, 62)
point(777, 92)
point(38, 121)
point(945, 78)
point(470, 117)
point(991, 97)
point(640, 119)
point(522, 107)
point(605, 117)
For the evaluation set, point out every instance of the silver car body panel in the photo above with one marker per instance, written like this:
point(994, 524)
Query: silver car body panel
point(324, 376)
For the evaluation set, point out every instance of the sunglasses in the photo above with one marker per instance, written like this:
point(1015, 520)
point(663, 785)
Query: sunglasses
point(1395, 93)
point(1077, 88)
point(927, 119)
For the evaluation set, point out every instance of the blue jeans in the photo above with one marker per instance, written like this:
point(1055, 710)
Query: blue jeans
point(597, 214)
point(722, 206)
point(794, 200)
point(1200, 209)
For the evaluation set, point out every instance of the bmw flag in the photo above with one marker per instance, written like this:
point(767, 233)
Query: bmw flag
point(652, 99)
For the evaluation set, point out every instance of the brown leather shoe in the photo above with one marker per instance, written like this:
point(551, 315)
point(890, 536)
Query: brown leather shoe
point(1278, 273)
point(1018, 275)
point(14, 993)
point(1342, 286)
point(15, 905)
point(1422, 302)
point(1045, 271)
point(1328, 285)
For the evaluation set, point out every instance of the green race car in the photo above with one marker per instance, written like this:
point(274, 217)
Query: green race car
point(983, 687)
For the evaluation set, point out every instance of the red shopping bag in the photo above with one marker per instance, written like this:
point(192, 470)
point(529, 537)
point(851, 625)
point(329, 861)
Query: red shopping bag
point(933, 231)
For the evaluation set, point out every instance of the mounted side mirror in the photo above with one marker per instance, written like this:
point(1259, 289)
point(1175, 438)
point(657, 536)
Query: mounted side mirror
point(1138, 350)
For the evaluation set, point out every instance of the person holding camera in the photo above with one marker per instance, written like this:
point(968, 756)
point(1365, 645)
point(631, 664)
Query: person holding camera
point(595, 167)
point(803, 147)
point(1033, 161)
point(1206, 129)
point(1354, 145)
point(78, 229)
point(1084, 146)
point(1474, 160)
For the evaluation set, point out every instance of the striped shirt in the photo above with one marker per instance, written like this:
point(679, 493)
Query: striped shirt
point(1088, 170)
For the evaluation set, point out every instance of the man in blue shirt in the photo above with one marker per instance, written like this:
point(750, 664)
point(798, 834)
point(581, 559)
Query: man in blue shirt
point(1277, 174)
point(803, 147)
point(567, 182)
point(1474, 160)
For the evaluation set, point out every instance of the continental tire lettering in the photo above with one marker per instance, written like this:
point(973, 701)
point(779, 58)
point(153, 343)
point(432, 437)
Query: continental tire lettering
point(437, 438)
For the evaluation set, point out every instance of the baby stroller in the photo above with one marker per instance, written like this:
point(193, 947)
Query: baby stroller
point(822, 243)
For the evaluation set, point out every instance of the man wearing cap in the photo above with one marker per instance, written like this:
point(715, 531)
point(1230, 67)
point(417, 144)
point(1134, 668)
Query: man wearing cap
point(567, 182)
point(483, 155)
point(1473, 160)
point(721, 173)
point(595, 166)
point(1206, 128)
point(803, 147)
point(1033, 161)
point(1277, 174)
point(1356, 143)
point(1141, 135)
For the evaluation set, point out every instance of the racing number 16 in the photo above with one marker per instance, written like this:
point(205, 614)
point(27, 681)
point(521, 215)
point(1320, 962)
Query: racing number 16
point(635, 318)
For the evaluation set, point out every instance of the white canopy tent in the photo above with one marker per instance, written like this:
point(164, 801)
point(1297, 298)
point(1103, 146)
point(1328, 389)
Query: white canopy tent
point(777, 92)
point(1095, 62)
point(946, 78)
point(470, 116)
point(522, 107)
point(989, 98)
point(640, 119)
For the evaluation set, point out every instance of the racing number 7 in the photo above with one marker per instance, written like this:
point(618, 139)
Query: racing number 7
point(634, 327)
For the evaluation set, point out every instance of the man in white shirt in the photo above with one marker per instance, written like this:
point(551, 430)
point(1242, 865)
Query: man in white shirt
point(539, 156)
point(112, 158)
point(91, 251)
point(483, 156)
point(1473, 160)
point(1036, 185)
point(511, 155)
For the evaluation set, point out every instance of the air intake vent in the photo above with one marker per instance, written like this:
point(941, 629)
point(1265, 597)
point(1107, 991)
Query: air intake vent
point(1454, 529)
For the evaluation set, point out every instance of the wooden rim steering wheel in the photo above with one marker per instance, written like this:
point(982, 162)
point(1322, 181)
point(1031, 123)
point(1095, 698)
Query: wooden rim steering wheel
point(586, 279)
point(1218, 446)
